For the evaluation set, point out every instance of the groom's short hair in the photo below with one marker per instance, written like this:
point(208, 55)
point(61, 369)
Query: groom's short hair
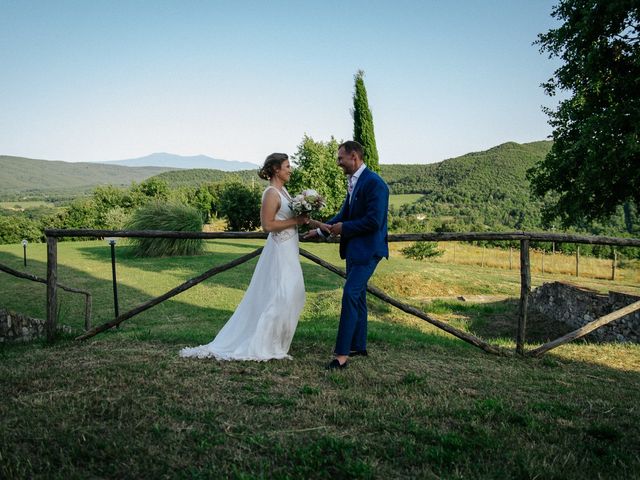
point(351, 146)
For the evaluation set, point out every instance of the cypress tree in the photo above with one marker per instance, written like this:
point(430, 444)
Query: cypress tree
point(363, 123)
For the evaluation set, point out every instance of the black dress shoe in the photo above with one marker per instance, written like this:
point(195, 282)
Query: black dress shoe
point(336, 365)
point(358, 353)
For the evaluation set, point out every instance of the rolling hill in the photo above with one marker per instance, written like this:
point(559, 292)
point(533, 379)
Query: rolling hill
point(30, 177)
point(487, 188)
point(198, 176)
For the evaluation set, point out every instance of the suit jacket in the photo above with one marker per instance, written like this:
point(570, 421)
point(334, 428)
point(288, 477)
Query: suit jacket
point(364, 220)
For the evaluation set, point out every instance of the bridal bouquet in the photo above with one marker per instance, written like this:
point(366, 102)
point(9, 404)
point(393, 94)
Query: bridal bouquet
point(307, 202)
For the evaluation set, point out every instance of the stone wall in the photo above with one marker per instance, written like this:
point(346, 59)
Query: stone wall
point(577, 306)
point(18, 327)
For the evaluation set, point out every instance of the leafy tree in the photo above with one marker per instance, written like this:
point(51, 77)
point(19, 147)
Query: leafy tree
point(153, 187)
point(161, 215)
point(316, 168)
point(14, 229)
point(81, 213)
point(363, 123)
point(240, 204)
point(204, 199)
point(593, 164)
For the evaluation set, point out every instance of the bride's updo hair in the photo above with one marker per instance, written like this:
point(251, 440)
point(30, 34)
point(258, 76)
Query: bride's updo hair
point(271, 165)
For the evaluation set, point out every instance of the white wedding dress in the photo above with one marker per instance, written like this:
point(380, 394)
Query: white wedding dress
point(263, 325)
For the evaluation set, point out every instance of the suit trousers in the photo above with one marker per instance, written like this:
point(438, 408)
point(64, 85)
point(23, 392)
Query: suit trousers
point(352, 331)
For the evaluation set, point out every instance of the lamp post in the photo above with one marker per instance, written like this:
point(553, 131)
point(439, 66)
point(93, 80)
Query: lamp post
point(112, 241)
point(24, 248)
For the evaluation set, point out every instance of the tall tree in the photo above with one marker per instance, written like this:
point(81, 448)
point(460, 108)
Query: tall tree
point(363, 123)
point(593, 166)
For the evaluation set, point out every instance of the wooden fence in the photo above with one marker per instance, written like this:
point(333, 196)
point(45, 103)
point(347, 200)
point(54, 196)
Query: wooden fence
point(525, 276)
point(34, 278)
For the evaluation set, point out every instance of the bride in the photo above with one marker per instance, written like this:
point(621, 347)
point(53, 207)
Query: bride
point(263, 325)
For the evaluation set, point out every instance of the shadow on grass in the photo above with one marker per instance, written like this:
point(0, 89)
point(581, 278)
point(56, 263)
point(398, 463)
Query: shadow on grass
point(192, 266)
point(178, 322)
point(496, 320)
point(450, 409)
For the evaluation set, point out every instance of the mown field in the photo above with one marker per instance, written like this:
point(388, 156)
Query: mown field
point(422, 405)
point(400, 199)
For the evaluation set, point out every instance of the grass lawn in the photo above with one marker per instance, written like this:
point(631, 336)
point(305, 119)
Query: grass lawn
point(22, 204)
point(399, 199)
point(422, 405)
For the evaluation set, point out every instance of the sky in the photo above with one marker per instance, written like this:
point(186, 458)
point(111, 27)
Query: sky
point(108, 80)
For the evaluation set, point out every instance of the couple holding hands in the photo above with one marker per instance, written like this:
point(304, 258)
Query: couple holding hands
point(263, 324)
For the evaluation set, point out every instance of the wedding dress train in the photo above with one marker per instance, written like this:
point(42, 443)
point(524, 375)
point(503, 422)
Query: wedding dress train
point(263, 324)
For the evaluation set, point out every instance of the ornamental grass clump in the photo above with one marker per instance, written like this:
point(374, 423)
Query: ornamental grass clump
point(171, 216)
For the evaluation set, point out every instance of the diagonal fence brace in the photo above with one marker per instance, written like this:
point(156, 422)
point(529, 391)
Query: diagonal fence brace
point(467, 337)
point(588, 328)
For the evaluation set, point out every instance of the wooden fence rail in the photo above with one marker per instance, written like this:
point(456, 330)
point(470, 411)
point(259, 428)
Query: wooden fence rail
point(34, 278)
point(397, 237)
point(525, 238)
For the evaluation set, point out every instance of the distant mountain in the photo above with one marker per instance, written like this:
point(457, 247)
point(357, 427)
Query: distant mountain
point(179, 161)
point(28, 176)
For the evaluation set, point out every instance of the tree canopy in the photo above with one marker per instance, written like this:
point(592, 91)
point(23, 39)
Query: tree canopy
point(592, 167)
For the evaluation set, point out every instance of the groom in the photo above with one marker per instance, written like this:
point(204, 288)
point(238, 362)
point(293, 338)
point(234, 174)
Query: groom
point(362, 226)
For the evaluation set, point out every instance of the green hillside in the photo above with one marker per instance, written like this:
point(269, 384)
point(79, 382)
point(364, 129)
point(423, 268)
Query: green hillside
point(29, 177)
point(482, 188)
point(198, 176)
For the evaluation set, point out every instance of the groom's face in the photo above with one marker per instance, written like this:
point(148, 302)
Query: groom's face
point(347, 161)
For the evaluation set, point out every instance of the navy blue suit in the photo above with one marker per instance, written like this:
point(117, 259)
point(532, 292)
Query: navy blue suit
point(363, 242)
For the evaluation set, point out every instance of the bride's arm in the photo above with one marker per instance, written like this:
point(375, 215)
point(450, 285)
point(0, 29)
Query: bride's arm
point(268, 211)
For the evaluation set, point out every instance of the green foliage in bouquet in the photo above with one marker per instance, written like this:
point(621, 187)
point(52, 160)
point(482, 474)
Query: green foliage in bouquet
point(422, 250)
point(160, 215)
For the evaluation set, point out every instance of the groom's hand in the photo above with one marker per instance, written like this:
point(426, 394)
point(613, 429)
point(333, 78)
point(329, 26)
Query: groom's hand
point(311, 234)
point(336, 228)
point(326, 228)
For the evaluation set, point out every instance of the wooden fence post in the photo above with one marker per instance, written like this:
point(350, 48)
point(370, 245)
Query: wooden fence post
point(613, 265)
point(483, 249)
point(525, 288)
point(510, 258)
point(542, 262)
point(52, 291)
point(578, 261)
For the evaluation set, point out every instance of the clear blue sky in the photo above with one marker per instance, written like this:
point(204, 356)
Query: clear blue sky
point(92, 80)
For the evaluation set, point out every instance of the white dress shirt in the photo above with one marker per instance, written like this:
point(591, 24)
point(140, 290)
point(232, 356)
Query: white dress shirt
point(352, 180)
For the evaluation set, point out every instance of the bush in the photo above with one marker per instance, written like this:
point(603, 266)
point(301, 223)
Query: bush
point(159, 215)
point(116, 218)
point(422, 250)
point(240, 204)
point(14, 229)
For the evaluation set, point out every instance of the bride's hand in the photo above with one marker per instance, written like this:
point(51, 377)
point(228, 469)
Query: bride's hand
point(303, 220)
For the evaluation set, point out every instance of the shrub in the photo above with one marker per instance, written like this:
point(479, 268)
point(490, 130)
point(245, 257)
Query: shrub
point(159, 215)
point(14, 229)
point(116, 218)
point(240, 204)
point(422, 250)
